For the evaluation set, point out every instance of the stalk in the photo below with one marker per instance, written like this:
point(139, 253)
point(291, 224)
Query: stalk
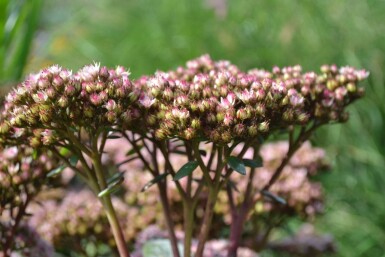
point(168, 219)
point(109, 208)
point(188, 216)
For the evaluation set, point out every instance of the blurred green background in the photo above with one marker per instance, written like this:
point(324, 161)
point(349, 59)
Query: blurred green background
point(149, 35)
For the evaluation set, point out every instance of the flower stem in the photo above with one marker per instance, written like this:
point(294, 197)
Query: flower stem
point(188, 213)
point(207, 220)
point(109, 208)
point(167, 214)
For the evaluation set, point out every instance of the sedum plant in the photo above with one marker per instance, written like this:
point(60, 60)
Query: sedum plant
point(212, 113)
point(74, 114)
point(210, 108)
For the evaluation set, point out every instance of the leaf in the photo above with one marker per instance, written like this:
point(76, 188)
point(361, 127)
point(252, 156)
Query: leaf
point(154, 181)
point(257, 163)
point(109, 190)
point(237, 165)
point(56, 171)
point(186, 170)
point(274, 197)
point(113, 186)
point(133, 151)
point(73, 160)
point(203, 152)
point(115, 177)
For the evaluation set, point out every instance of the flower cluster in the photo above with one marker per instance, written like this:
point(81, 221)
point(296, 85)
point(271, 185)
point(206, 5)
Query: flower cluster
point(29, 243)
point(218, 101)
point(54, 100)
point(22, 174)
point(213, 100)
point(80, 216)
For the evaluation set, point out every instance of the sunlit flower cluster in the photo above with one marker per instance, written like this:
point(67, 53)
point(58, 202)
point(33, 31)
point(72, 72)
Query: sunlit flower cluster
point(218, 101)
point(55, 100)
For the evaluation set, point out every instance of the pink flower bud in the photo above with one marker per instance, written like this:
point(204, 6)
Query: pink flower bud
point(239, 129)
point(57, 82)
point(242, 114)
point(110, 105)
point(189, 133)
point(40, 97)
point(146, 101)
point(228, 119)
point(95, 99)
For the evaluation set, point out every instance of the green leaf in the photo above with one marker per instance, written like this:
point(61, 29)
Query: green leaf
point(133, 151)
point(109, 190)
point(203, 152)
point(112, 187)
point(237, 164)
point(154, 181)
point(274, 197)
point(73, 160)
point(186, 170)
point(117, 176)
point(56, 171)
point(257, 163)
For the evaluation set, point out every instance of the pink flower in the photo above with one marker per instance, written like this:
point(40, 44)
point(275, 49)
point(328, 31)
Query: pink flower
point(146, 101)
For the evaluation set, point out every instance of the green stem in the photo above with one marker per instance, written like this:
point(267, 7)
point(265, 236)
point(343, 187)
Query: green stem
point(109, 208)
point(207, 220)
point(188, 216)
point(213, 186)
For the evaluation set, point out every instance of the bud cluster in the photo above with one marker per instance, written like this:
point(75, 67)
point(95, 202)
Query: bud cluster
point(80, 216)
point(55, 100)
point(27, 242)
point(218, 101)
point(205, 99)
point(22, 174)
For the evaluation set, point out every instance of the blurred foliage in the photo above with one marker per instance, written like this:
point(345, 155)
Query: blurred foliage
point(18, 23)
point(148, 35)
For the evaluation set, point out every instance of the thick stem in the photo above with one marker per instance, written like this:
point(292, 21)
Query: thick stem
point(169, 223)
point(109, 208)
point(213, 186)
point(207, 220)
point(238, 220)
point(188, 216)
point(239, 213)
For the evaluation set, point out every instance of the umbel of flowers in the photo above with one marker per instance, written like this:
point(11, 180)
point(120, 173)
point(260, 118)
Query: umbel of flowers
point(22, 175)
point(173, 113)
